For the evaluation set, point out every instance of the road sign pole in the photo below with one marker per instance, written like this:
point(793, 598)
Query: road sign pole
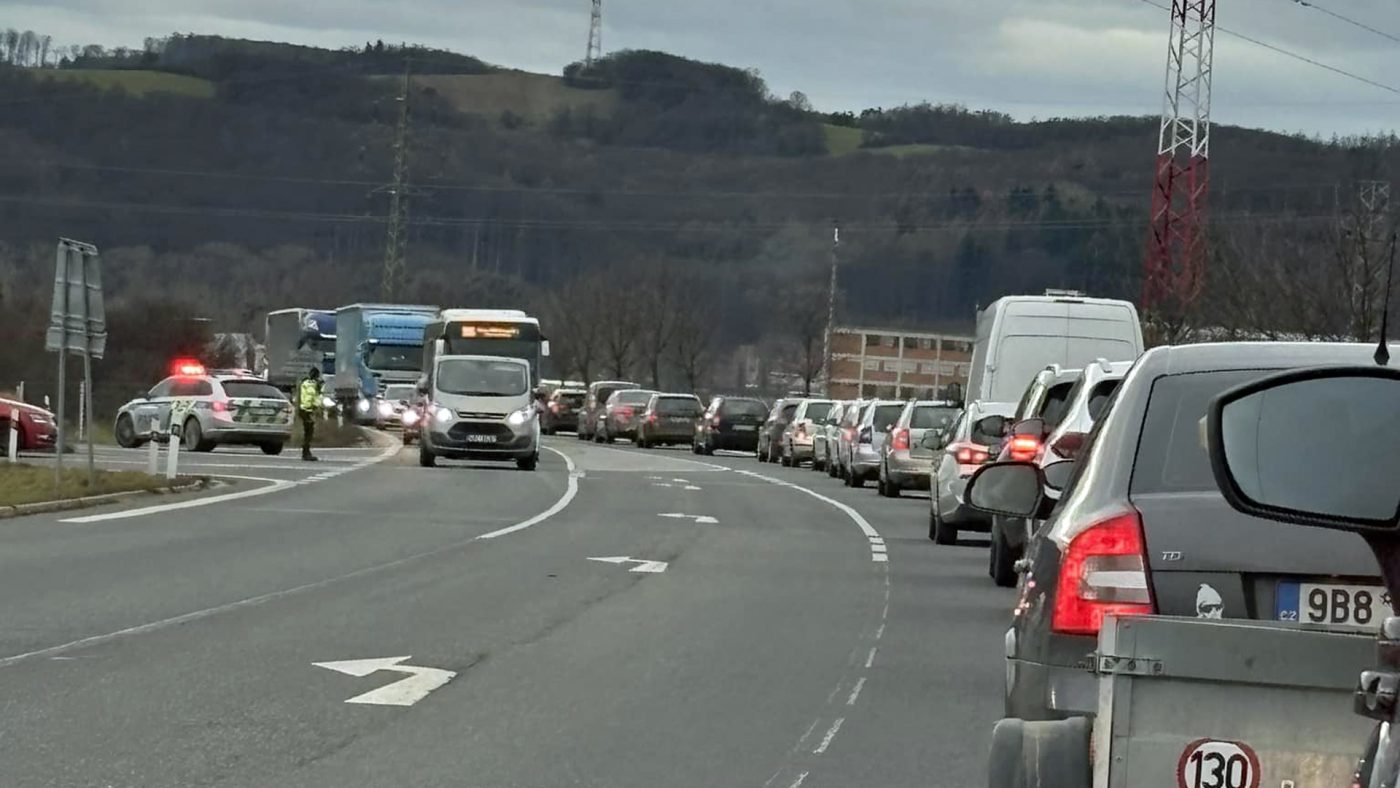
point(58, 422)
point(86, 406)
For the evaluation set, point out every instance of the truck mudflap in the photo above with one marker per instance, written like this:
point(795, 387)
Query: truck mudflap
point(1204, 703)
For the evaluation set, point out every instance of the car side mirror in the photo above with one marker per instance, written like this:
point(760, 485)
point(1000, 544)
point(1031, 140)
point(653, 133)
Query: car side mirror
point(1014, 489)
point(991, 425)
point(1269, 438)
point(1057, 474)
point(1069, 444)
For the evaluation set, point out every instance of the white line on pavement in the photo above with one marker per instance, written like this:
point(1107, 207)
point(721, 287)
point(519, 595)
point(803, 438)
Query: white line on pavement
point(830, 734)
point(547, 513)
point(800, 778)
point(865, 527)
point(870, 658)
point(855, 693)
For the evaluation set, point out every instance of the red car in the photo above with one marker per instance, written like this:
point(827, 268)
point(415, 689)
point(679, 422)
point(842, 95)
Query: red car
point(37, 431)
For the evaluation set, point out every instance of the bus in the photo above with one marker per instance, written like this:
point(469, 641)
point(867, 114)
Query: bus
point(509, 333)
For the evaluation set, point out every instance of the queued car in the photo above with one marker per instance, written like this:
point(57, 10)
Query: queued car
point(770, 434)
point(868, 443)
point(1141, 527)
point(37, 430)
point(846, 435)
point(905, 462)
point(668, 420)
point(622, 415)
point(595, 402)
point(561, 410)
point(963, 448)
point(796, 445)
point(730, 423)
point(825, 434)
point(1033, 441)
point(215, 410)
point(390, 406)
point(412, 420)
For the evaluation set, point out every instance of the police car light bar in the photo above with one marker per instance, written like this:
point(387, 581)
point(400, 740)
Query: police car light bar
point(187, 367)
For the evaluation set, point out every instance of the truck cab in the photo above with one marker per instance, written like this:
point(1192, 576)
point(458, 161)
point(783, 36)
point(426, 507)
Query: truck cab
point(479, 407)
point(377, 345)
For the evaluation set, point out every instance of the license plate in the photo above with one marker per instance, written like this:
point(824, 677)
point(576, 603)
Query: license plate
point(1333, 605)
point(481, 439)
point(744, 428)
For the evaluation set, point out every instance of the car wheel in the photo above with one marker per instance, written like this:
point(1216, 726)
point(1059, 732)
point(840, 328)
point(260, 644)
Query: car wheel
point(857, 480)
point(891, 489)
point(939, 529)
point(1001, 559)
point(426, 458)
point(709, 450)
point(193, 437)
point(126, 433)
point(528, 463)
point(271, 448)
point(785, 458)
point(832, 469)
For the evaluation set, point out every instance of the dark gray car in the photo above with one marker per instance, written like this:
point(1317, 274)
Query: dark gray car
point(1141, 527)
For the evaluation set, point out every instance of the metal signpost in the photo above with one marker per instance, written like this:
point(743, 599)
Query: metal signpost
point(77, 324)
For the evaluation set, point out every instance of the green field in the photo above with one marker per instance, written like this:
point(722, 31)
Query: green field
point(900, 151)
point(534, 97)
point(21, 484)
point(137, 83)
point(841, 140)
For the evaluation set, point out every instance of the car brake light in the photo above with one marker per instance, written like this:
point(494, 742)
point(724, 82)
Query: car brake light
point(187, 367)
point(554, 407)
point(218, 406)
point(901, 438)
point(1024, 447)
point(969, 453)
point(651, 418)
point(1103, 572)
point(622, 412)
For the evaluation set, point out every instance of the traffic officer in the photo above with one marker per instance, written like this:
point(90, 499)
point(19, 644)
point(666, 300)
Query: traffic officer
point(308, 405)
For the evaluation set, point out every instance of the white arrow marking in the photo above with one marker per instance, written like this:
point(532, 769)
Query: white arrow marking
point(691, 487)
point(661, 484)
point(698, 518)
point(404, 692)
point(642, 565)
point(682, 481)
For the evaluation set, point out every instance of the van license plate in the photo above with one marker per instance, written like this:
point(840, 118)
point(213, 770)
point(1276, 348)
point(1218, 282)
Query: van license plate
point(744, 428)
point(1333, 605)
point(481, 439)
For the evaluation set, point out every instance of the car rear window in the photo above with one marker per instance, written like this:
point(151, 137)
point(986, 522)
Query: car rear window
point(885, 415)
point(570, 399)
point(634, 397)
point(240, 389)
point(818, 410)
point(1053, 411)
point(932, 417)
point(1170, 457)
point(607, 391)
point(678, 406)
point(744, 407)
point(787, 411)
point(1100, 397)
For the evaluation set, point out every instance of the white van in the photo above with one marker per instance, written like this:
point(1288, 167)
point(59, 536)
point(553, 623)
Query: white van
point(479, 408)
point(1017, 336)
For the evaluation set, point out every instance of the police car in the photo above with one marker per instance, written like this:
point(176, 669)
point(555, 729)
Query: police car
point(208, 409)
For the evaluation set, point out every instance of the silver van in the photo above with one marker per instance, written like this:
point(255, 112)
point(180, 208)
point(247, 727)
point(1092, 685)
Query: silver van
point(479, 408)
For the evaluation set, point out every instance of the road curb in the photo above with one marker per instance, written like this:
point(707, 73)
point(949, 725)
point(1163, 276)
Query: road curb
point(65, 504)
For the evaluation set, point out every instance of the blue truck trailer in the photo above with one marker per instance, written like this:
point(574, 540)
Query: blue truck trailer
point(377, 345)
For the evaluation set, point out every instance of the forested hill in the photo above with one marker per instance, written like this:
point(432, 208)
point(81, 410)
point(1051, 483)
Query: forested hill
point(245, 176)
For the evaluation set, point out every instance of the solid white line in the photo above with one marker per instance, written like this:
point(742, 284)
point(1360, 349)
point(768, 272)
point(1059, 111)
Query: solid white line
point(286, 592)
point(798, 781)
point(855, 693)
point(879, 633)
point(810, 728)
point(870, 658)
point(547, 513)
point(277, 485)
point(830, 734)
point(855, 516)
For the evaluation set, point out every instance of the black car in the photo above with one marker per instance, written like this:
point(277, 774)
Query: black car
point(561, 410)
point(730, 423)
point(1142, 528)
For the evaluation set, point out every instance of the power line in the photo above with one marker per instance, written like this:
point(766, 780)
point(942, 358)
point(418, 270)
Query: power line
point(1294, 55)
point(1348, 20)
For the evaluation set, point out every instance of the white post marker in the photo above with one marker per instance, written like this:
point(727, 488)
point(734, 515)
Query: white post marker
point(700, 519)
point(404, 692)
point(642, 565)
point(14, 435)
point(153, 451)
point(172, 456)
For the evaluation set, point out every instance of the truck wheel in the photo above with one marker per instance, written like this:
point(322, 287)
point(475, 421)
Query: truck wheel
point(126, 433)
point(426, 458)
point(1052, 754)
point(271, 448)
point(528, 463)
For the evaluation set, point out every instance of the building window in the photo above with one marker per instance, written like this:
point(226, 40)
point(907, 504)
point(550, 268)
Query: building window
point(910, 343)
point(926, 343)
point(888, 341)
point(872, 340)
point(872, 365)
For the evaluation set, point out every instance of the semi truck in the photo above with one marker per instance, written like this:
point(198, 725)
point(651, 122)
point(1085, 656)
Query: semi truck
point(297, 340)
point(376, 345)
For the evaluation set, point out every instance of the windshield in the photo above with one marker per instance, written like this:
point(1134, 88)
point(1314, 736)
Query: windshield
point(572, 399)
point(817, 411)
point(932, 417)
point(479, 378)
point(240, 389)
point(636, 397)
point(394, 358)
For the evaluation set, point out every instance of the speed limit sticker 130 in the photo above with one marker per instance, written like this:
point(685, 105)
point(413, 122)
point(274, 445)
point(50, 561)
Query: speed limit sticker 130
point(1211, 763)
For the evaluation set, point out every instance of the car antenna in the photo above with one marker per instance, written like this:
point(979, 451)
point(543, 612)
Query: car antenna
point(1383, 349)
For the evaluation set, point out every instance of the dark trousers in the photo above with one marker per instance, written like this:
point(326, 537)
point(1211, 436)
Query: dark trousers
point(308, 431)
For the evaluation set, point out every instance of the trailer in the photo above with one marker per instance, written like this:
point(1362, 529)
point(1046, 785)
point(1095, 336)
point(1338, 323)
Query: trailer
point(298, 339)
point(377, 345)
point(1202, 703)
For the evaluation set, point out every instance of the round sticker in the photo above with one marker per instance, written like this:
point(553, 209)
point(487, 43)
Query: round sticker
point(1210, 763)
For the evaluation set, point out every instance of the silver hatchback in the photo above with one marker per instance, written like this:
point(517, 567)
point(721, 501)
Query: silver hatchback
point(907, 464)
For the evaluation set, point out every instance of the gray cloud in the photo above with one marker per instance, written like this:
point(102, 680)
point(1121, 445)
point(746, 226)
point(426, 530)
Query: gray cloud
point(1032, 58)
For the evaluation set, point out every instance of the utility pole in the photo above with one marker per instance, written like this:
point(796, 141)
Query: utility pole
point(831, 307)
point(397, 241)
point(595, 36)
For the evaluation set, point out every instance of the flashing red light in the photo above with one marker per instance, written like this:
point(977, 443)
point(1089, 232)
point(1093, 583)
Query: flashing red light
point(1103, 572)
point(187, 367)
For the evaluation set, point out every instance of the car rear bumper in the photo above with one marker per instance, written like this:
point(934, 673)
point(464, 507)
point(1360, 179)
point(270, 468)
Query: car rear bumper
point(909, 471)
point(734, 441)
point(1037, 691)
point(247, 433)
point(670, 435)
point(563, 421)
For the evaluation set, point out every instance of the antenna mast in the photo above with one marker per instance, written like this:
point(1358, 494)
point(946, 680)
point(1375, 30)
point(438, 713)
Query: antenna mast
point(595, 35)
point(397, 242)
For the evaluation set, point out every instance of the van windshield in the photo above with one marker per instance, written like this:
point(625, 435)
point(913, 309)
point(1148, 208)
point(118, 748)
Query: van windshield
point(481, 378)
point(1020, 357)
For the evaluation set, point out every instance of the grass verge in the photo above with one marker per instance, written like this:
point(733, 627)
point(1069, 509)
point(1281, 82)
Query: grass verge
point(21, 484)
point(331, 435)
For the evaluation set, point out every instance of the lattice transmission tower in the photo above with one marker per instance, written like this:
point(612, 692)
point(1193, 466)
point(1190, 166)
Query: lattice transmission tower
point(595, 35)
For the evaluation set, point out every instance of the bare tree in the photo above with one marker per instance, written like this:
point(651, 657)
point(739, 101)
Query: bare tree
point(10, 44)
point(45, 44)
point(28, 49)
point(693, 345)
point(576, 325)
point(657, 300)
point(621, 327)
point(804, 323)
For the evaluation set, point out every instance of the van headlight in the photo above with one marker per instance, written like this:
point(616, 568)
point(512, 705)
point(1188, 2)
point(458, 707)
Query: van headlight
point(521, 416)
point(410, 417)
point(443, 415)
point(362, 406)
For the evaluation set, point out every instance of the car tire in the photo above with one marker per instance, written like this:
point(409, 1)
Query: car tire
point(784, 458)
point(125, 433)
point(193, 437)
point(709, 450)
point(271, 448)
point(939, 530)
point(833, 469)
point(857, 480)
point(426, 458)
point(528, 463)
point(1001, 559)
point(407, 439)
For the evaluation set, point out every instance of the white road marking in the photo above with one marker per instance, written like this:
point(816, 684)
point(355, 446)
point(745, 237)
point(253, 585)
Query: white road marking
point(642, 564)
point(558, 506)
point(691, 487)
point(682, 481)
point(800, 778)
point(700, 519)
point(404, 692)
point(880, 558)
point(879, 633)
point(810, 728)
point(877, 548)
point(830, 734)
point(884, 614)
point(855, 693)
point(870, 658)
point(855, 516)
point(196, 615)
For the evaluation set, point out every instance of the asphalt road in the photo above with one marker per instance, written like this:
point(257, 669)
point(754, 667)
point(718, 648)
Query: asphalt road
point(790, 637)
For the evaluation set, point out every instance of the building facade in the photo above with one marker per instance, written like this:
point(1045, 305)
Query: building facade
point(897, 364)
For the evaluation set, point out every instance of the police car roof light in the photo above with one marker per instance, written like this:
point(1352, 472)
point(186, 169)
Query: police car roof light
point(188, 367)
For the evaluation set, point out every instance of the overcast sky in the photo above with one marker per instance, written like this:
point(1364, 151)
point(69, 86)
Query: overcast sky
point(1032, 58)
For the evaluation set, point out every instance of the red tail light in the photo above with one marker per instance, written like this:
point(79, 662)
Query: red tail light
point(901, 438)
point(1024, 448)
point(218, 406)
point(969, 453)
point(622, 412)
point(555, 407)
point(651, 418)
point(1103, 571)
point(849, 433)
point(715, 421)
